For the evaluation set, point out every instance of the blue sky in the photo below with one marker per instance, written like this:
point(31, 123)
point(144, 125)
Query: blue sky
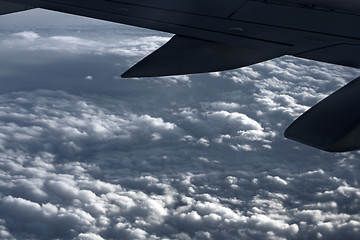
point(85, 154)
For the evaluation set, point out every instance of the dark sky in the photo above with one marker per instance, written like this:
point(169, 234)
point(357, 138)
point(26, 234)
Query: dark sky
point(87, 155)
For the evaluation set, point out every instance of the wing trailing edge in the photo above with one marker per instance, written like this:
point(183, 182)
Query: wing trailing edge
point(341, 54)
point(7, 7)
point(333, 124)
point(185, 55)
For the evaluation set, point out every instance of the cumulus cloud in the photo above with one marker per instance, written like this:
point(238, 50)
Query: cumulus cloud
point(185, 157)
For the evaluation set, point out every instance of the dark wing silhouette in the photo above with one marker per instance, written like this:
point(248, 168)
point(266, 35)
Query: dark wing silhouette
point(10, 7)
point(333, 124)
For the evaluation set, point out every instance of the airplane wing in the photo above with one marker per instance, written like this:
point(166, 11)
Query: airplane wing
point(183, 55)
point(9, 7)
point(323, 30)
point(198, 25)
point(213, 35)
point(333, 124)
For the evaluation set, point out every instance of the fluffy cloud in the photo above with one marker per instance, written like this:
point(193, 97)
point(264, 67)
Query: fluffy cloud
point(189, 157)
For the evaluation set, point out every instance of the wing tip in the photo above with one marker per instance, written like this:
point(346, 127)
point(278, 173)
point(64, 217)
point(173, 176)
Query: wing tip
point(292, 134)
point(332, 125)
point(127, 75)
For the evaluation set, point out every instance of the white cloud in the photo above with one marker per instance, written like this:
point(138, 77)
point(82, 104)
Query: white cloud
point(227, 106)
point(27, 35)
point(89, 236)
point(277, 180)
point(235, 118)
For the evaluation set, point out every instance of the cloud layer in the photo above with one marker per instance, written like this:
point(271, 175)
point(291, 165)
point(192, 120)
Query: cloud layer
point(87, 155)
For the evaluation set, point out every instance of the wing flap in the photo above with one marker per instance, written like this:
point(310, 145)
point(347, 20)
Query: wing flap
point(300, 18)
point(342, 54)
point(202, 7)
point(6, 7)
point(333, 124)
point(184, 55)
